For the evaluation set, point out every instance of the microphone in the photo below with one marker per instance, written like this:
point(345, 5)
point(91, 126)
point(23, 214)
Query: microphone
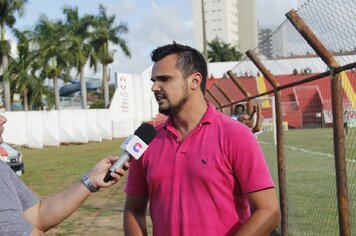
point(134, 146)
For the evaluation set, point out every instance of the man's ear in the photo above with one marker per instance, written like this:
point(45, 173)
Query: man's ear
point(195, 81)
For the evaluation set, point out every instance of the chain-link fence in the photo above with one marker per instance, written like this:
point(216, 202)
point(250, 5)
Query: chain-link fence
point(310, 74)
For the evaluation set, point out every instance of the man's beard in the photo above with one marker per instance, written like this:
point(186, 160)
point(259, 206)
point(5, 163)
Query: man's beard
point(174, 110)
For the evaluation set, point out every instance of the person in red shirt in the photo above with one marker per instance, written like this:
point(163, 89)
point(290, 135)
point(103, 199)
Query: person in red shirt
point(203, 171)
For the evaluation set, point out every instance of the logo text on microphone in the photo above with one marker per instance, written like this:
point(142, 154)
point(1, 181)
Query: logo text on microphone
point(134, 146)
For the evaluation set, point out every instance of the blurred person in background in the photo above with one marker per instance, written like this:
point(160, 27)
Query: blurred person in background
point(249, 121)
point(239, 109)
point(23, 213)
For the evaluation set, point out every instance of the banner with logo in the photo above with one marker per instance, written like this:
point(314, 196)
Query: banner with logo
point(121, 104)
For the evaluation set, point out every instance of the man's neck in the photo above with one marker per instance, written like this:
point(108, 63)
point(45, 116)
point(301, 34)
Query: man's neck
point(189, 118)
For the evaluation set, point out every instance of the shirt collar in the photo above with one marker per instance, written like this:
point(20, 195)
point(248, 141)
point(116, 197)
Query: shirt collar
point(207, 118)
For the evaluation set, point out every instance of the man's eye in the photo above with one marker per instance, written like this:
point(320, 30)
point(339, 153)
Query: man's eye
point(163, 79)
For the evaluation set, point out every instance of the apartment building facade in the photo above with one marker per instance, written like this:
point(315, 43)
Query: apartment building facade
point(231, 21)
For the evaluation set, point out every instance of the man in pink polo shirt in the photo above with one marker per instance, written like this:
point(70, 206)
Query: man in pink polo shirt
point(203, 172)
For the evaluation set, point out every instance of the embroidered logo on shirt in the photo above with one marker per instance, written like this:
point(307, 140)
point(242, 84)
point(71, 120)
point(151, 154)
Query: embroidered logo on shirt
point(203, 162)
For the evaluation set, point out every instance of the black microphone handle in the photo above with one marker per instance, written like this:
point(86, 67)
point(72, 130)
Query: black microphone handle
point(124, 157)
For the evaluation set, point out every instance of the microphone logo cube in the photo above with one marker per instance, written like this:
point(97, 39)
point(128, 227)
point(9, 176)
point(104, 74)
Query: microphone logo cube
point(137, 147)
point(134, 146)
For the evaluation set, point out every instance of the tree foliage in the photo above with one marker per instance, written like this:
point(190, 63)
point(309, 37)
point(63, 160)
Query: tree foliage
point(79, 47)
point(53, 48)
point(220, 52)
point(106, 32)
point(8, 9)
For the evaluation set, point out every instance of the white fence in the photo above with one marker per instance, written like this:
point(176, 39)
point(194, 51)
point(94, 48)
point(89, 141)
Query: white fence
point(132, 104)
point(36, 129)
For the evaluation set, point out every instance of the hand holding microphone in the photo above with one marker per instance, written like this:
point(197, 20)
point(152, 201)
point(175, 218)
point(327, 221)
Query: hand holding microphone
point(134, 146)
point(93, 179)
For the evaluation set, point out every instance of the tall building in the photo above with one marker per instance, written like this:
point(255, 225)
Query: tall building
point(247, 19)
point(231, 21)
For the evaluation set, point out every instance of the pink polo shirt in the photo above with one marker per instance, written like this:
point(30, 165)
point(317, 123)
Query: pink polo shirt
point(198, 186)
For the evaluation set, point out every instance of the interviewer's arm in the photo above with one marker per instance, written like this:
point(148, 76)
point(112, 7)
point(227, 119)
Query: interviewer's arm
point(135, 216)
point(37, 232)
point(53, 210)
point(265, 216)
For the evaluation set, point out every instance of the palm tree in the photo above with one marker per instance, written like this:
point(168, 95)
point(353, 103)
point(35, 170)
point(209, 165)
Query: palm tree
point(77, 31)
point(19, 70)
point(23, 72)
point(52, 51)
point(39, 94)
point(220, 52)
point(8, 8)
point(106, 32)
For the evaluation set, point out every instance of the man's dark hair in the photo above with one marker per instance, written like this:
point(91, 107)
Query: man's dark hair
point(189, 60)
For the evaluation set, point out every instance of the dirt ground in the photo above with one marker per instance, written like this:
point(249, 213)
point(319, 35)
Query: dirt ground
point(100, 214)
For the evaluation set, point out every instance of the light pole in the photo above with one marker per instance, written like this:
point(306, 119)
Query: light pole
point(204, 31)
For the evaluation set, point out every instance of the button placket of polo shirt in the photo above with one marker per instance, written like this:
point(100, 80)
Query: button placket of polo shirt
point(180, 150)
point(182, 144)
point(180, 154)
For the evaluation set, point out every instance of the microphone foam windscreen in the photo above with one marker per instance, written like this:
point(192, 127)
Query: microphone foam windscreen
point(146, 132)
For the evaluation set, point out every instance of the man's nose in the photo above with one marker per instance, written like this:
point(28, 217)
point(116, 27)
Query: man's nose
point(155, 87)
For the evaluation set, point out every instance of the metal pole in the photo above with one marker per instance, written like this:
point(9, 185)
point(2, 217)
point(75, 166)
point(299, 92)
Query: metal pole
point(222, 91)
point(215, 99)
point(337, 111)
point(243, 90)
point(238, 84)
point(204, 31)
point(280, 141)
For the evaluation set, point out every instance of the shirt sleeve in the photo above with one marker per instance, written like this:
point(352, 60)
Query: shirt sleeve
point(136, 182)
point(249, 163)
point(15, 226)
point(27, 197)
point(15, 197)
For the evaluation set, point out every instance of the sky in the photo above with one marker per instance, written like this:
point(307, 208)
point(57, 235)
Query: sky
point(151, 23)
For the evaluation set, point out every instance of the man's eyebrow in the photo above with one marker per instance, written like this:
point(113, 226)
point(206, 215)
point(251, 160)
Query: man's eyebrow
point(160, 77)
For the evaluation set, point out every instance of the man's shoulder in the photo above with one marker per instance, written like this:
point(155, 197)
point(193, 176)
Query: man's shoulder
point(159, 128)
point(227, 120)
point(229, 126)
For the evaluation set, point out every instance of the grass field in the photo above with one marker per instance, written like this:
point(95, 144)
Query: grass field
point(311, 190)
point(311, 181)
point(51, 170)
point(318, 141)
